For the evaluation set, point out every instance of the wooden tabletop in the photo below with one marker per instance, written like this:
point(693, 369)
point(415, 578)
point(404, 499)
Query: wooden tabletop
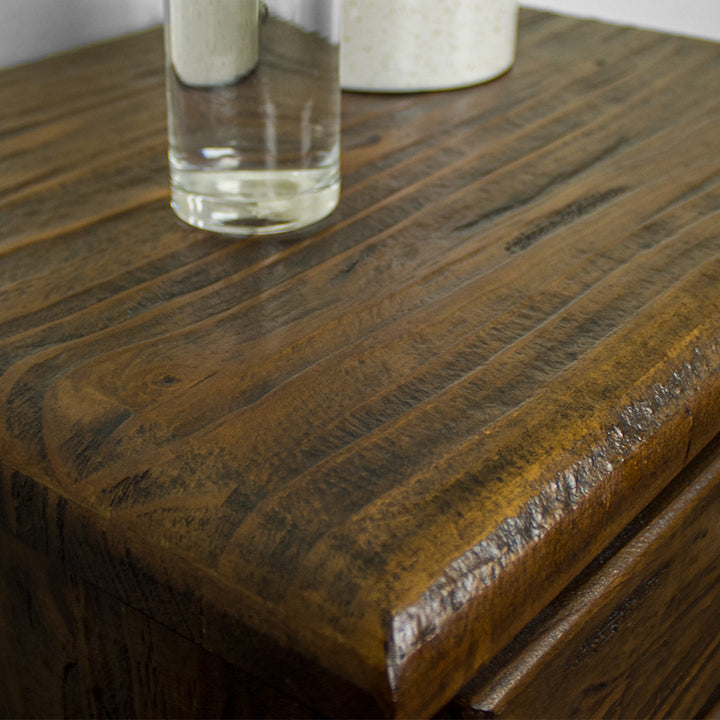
point(359, 458)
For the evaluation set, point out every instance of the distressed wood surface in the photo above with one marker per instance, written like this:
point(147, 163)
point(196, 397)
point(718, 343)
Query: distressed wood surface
point(363, 456)
point(638, 632)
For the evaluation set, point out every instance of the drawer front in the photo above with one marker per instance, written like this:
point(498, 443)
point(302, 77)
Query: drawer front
point(638, 635)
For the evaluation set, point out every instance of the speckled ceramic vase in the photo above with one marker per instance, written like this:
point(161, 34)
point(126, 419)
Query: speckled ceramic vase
point(419, 45)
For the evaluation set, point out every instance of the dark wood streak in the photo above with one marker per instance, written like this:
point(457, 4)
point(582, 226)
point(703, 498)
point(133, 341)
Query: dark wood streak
point(359, 458)
point(565, 216)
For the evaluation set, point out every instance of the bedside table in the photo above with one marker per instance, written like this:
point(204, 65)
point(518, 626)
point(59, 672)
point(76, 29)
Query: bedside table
point(449, 451)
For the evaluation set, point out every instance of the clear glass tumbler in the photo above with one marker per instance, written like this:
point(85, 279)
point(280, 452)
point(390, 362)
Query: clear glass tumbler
point(253, 112)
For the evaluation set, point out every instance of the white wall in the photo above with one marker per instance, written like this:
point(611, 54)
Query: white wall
point(34, 28)
point(30, 29)
point(697, 18)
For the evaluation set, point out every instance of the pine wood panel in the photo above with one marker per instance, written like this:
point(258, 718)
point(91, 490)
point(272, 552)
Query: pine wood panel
point(71, 650)
point(364, 455)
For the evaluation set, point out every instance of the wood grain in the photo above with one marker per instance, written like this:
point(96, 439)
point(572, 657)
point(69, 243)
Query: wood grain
point(70, 650)
point(638, 632)
point(369, 452)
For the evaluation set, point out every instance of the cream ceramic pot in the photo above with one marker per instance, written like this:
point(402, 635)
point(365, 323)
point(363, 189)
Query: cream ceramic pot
point(416, 45)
